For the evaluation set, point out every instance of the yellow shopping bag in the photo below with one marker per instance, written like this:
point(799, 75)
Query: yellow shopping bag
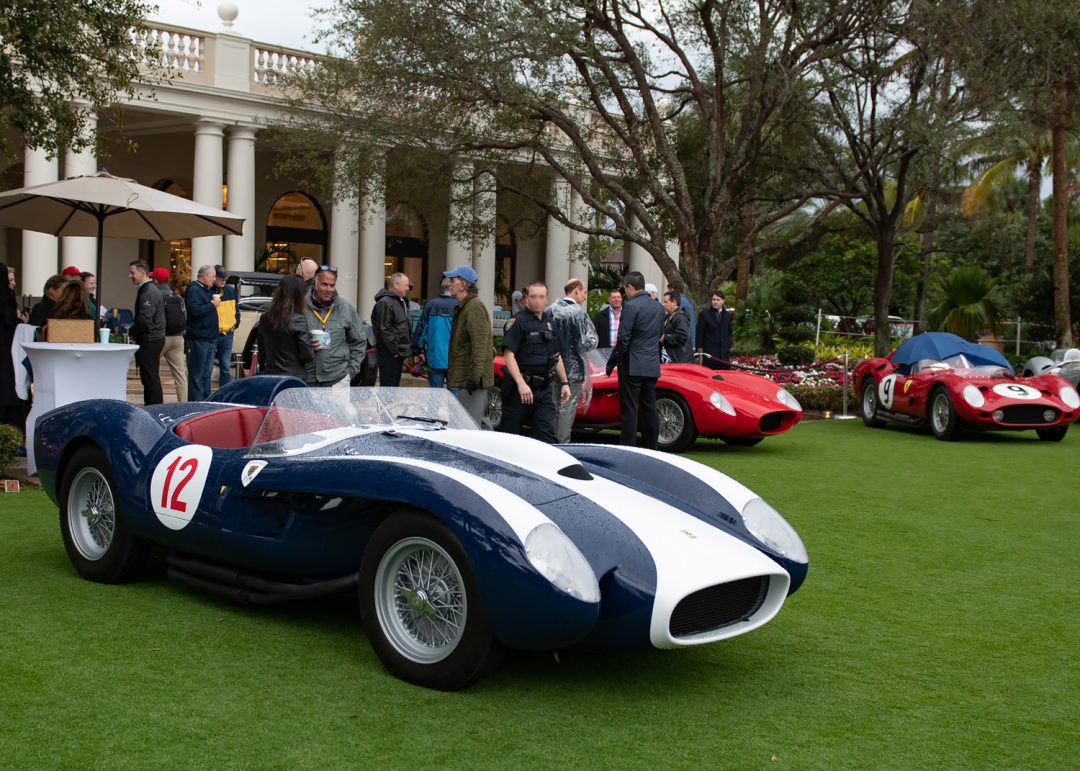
point(226, 316)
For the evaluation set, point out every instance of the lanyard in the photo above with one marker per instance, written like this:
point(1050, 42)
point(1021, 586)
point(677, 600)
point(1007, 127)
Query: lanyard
point(321, 318)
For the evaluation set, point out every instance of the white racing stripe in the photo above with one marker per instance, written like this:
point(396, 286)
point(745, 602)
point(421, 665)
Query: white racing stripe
point(689, 554)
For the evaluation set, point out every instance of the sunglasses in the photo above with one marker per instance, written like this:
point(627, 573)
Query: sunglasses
point(330, 268)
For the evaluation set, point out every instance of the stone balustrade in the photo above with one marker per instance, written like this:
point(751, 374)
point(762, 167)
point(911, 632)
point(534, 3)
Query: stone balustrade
point(204, 58)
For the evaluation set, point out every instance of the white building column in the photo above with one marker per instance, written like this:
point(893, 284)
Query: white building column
point(78, 251)
point(39, 251)
point(557, 252)
point(345, 244)
point(579, 242)
point(372, 262)
point(207, 189)
point(484, 239)
point(459, 222)
point(240, 200)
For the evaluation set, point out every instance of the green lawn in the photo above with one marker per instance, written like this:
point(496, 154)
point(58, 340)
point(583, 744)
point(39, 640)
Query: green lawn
point(938, 628)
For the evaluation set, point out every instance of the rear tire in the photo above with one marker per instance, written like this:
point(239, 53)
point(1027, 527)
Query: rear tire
point(96, 539)
point(420, 605)
point(943, 420)
point(868, 404)
point(676, 424)
point(1055, 434)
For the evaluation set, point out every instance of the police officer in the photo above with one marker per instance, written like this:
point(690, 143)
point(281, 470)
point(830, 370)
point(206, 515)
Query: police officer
point(531, 354)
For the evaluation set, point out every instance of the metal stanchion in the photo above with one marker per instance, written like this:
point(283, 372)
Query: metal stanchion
point(845, 416)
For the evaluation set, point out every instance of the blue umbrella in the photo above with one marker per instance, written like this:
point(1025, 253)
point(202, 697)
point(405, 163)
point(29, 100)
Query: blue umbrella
point(942, 345)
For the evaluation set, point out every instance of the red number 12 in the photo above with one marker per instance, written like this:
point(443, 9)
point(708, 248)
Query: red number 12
point(190, 465)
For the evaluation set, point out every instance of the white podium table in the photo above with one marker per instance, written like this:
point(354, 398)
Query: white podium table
point(71, 372)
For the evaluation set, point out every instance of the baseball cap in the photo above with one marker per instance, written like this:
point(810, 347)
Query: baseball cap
point(462, 271)
point(220, 272)
point(71, 270)
point(159, 274)
point(517, 295)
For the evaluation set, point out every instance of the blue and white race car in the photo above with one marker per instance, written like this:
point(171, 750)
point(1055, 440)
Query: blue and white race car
point(461, 541)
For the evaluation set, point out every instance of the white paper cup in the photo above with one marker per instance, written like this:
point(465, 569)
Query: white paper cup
point(103, 334)
point(321, 336)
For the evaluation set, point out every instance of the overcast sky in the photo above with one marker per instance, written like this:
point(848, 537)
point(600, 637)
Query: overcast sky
point(284, 22)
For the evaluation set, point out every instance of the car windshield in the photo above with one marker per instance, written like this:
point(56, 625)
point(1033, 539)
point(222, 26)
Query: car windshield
point(302, 418)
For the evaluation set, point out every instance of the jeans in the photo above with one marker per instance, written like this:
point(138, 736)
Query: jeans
point(564, 422)
point(200, 364)
point(223, 354)
point(389, 371)
point(436, 378)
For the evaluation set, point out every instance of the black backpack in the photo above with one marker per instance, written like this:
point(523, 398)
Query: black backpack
point(175, 314)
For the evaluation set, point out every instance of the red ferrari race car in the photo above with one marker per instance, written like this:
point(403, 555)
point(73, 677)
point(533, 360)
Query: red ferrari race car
point(691, 400)
point(944, 380)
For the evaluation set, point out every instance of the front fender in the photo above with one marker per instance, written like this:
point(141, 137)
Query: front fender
point(523, 609)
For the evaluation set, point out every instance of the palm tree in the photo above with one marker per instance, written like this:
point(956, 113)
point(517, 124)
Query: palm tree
point(970, 304)
point(998, 169)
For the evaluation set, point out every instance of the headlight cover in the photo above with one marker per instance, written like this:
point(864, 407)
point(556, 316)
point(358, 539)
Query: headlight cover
point(973, 396)
point(766, 524)
point(558, 560)
point(785, 398)
point(717, 400)
point(1069, 395)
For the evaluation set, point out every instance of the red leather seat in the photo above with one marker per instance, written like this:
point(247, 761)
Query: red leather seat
point(232, 428)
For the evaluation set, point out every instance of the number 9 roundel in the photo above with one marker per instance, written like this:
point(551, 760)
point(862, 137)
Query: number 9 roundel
point(177, 484)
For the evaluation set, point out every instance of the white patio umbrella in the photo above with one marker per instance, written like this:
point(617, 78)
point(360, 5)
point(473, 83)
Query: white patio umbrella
point(103, 205)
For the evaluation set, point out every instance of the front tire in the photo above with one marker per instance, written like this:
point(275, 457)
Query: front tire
point(95, 537)
point(1055, 434)
point(943, 420)
point(677, 430)
point(868, 404)
point(420, 605)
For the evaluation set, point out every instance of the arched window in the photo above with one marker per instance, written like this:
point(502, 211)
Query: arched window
point(295, 230)
point(505, 262)
point(174, 255)
point(406, 246)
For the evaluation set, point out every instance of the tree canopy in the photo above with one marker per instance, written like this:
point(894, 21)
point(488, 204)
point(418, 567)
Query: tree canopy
point(62, 61)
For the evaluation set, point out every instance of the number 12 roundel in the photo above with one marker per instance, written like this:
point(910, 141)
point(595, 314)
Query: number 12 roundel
point(177, 484)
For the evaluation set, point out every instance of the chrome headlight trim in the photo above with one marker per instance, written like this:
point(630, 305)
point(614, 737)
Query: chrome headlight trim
point(784, 397)
point(718, 400)
point(973, 396)
point(765, 524)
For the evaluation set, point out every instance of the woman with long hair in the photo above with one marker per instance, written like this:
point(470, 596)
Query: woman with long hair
point(284, 341)
point(74, 302)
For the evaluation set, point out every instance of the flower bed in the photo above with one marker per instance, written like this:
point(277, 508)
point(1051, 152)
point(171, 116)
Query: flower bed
point(818, 386)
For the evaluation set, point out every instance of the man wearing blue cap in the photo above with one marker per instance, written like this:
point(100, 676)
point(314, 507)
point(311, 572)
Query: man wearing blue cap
point(470, 372)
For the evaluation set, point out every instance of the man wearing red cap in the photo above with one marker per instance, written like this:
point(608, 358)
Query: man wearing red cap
point(71, 273)
point(175, 324)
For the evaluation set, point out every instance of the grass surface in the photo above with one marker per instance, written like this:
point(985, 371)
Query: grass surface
point(938, 628)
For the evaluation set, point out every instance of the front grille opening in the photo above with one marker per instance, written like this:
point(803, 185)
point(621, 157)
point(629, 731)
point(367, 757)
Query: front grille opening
point(714, 607)
point(1028, 414)
point(771, 421)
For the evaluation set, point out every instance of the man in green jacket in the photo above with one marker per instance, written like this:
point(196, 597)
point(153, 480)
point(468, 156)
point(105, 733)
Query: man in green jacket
point(471, 370)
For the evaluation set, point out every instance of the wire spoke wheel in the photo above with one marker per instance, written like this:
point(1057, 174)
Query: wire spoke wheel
point(676, 429)
point(943, 421)
point(91, 514)
point(420, 599)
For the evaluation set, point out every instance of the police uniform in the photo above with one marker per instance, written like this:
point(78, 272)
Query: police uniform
point(536, 350)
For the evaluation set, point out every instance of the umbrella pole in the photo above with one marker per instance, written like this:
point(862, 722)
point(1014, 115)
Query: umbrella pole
point(100, 278)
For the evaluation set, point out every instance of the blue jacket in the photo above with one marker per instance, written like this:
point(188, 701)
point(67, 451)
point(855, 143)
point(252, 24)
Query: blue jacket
point(432, 333)
point(202, 317)
point(688, 308)
point(637, 353)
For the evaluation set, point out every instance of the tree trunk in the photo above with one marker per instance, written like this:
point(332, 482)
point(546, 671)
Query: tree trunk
point(1034, 191)
point(1062, 317)
point(746, 248)
point(926, 253)
point(883, 288)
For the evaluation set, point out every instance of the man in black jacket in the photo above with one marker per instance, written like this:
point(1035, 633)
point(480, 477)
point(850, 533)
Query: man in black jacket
point(676, 337)
point(637, 355)
point(390, 321)
point(148, 331)
point(607, 321)
point(714, 333)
